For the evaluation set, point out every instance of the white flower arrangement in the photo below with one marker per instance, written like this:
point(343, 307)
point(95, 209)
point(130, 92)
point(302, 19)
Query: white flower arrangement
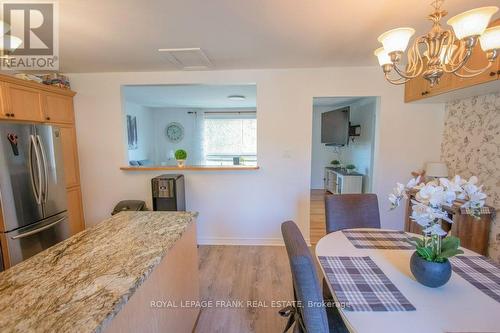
point(427, 208)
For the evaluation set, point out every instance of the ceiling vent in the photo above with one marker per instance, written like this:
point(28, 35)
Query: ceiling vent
point(187, 58)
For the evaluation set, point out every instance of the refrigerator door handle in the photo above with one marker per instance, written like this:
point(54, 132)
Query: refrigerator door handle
point(36, 191)
point(45, 192)
point(45, 227)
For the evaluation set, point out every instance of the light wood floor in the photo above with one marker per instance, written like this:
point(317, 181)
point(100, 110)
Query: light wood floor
point(317, 216)
point(247, 273)
point(250, 273)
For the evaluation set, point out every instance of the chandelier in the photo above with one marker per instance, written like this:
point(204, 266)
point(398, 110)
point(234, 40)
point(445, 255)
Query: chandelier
point(440, 50)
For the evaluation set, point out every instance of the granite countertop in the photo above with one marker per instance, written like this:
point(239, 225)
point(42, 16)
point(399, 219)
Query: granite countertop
point(343, 172)
point(81, 283)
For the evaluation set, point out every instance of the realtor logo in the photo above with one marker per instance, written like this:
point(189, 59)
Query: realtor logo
point(30, 36)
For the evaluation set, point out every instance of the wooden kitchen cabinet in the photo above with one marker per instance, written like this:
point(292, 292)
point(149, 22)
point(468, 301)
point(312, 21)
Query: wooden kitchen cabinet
point(21, 103)
point(75, 210)
point(58, 109)
point(4, 107)
point(72, 176)
point(419, 88)
point(38, 103)
point(70, 156)
point(478, 60)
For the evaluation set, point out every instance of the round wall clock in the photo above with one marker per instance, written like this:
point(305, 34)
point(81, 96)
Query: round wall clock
point(174, 132)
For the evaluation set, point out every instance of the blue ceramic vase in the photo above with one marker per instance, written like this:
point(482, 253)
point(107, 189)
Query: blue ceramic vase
point(430, 274)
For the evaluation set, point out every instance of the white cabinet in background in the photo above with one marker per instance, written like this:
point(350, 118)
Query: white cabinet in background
point(338, 181)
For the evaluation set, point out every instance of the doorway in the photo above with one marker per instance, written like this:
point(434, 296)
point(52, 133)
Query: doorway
point(343, 137)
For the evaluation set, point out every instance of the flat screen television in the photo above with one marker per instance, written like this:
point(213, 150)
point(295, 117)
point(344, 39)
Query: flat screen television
point(335, 127)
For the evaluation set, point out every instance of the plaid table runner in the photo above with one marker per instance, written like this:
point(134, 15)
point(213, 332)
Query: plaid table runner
point(379, 239)
point(362, 286)
point(481, 272)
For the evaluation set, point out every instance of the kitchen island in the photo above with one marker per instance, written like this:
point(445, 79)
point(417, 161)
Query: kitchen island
point(108, 278)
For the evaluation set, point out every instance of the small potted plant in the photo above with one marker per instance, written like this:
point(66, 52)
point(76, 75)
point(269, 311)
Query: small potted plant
point(335, 163)
point(350, 168)
point(429, 263)
point(180, 156)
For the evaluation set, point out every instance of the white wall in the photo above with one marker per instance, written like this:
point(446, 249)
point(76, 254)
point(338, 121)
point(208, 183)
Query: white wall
point(162, 146)
point(248, 207)
point(145, 137)
point(359, 152)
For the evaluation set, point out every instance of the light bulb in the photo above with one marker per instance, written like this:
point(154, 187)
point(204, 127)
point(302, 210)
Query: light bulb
point(396, 40)
point(472, 22)
point(490, 39)
point(4, 28)
point(10, 43)
point(383, 57)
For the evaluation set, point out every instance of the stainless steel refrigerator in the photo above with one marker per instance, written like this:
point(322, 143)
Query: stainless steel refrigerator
point(33, 203)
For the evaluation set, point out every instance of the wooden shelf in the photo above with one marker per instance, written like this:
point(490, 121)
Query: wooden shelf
point(190, 168)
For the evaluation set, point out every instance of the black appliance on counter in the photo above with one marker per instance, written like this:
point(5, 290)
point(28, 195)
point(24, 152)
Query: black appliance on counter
point(168, 193)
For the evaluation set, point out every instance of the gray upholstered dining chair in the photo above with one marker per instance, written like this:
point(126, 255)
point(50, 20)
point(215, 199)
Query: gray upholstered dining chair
point(306, 288)
point(346, 211)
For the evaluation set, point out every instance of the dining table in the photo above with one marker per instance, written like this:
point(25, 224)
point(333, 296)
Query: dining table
point(457, 306)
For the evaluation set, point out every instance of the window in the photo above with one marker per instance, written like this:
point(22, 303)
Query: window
point(229, 137)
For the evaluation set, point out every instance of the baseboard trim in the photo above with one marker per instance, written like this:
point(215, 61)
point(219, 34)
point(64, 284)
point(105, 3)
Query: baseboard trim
point(243, 241)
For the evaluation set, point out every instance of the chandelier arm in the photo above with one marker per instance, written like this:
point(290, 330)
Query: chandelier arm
point(474, 72)
point(415, 62)
point(395, 81)
point(405, 75)
point(451, 53)
point(459, 53)
point(460, 64)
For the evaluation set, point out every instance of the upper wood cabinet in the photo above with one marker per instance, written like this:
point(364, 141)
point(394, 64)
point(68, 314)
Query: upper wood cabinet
point(477, 61)
point(22, 100)
point(419, 88)
point(58, 108)
point(21, 103)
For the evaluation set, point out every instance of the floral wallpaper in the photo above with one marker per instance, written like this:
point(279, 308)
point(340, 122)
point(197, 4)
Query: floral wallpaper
point(471, 146)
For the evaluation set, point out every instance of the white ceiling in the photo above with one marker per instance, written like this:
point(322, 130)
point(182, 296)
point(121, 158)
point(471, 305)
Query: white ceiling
point(191, 96)
point(124, 35)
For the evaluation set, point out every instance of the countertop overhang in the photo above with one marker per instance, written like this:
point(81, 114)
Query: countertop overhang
point(80, 284)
